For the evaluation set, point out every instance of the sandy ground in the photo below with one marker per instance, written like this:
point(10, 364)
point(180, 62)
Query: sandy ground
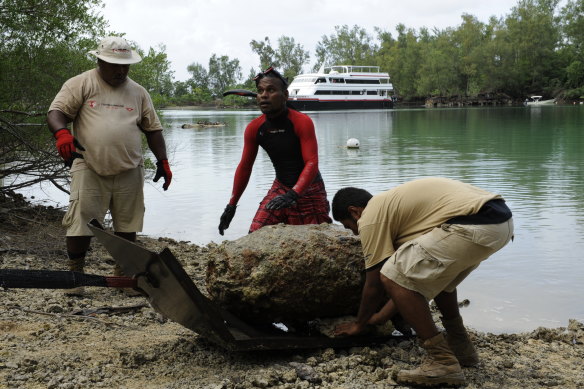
point(107, 339)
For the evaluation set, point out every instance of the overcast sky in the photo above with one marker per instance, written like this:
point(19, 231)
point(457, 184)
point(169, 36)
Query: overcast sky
point(193, 30)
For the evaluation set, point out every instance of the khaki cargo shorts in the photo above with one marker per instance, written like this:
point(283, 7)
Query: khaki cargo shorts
point(439, 260)
point(93, 195)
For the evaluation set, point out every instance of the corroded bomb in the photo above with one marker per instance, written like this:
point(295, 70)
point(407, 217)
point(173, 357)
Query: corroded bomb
point(288, 274)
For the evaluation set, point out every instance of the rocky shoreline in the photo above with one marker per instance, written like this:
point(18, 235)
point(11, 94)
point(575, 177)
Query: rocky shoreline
point(106, 339)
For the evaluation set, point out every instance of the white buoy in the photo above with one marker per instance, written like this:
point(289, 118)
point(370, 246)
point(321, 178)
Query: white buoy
point(353, 143)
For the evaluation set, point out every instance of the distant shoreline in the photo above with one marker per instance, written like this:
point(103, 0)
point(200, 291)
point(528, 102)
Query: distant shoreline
point(203, 107)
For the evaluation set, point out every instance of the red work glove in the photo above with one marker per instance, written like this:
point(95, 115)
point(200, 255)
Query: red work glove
point(65, 145)
point(163, 170)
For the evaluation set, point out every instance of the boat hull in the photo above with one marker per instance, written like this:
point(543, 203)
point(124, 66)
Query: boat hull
point(334, 105)
point(541, 102)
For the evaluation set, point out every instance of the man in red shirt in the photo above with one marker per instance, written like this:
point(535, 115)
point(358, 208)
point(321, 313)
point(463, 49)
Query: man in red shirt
point(298, 194)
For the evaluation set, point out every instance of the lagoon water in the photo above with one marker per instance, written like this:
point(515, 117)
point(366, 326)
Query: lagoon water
point(533, 156)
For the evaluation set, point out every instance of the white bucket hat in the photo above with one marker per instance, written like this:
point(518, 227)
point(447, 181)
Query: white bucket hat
point(114, 49)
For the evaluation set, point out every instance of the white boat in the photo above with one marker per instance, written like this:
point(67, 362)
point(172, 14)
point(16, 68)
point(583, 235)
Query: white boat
point(537, 100)
point(341, 87)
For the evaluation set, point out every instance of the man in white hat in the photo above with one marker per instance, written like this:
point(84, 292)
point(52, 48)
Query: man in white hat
point(110, 112)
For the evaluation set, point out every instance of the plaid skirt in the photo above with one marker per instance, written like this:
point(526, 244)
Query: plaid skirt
point(312, 207)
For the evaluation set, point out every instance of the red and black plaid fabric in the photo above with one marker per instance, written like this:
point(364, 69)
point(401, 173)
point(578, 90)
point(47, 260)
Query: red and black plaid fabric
point(312, 207)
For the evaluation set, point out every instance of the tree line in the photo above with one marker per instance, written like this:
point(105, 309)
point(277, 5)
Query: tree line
point(537, 48)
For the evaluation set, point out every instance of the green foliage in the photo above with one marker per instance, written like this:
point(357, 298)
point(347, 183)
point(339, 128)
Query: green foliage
point(469, 40)
point(291, 57)
point(439, 73)
point(574, 94)
point(199, 80)
point(223, 73)
point(153, 72)
point(249, 83)
point(160, 100)
point(531, 50)
point(233, 101)
point(534, 33)
point(43, 44)
point(572, 53)
point(266, 53)
point(345, 47)
point(575, 74)
point(401, 58)
point(288, 58)
point(572, 21)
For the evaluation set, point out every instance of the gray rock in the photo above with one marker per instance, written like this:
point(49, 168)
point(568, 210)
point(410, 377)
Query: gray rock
point(287, 273)
point(306, 372)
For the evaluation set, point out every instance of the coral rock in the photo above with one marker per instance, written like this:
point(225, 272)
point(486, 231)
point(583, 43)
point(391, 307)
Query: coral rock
point(288, 274)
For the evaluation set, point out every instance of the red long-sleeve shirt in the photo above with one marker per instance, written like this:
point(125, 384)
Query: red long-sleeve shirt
point(290, 142)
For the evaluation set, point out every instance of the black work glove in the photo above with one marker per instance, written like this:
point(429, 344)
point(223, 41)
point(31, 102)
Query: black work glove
point(283, 201)
point(75, 154)
point(226, 217)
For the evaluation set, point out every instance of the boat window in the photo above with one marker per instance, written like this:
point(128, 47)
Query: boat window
point(336, 92)
point(320, 80)
point(338, 80)
point(371, 92)
point(357, 81)
point(304, 79)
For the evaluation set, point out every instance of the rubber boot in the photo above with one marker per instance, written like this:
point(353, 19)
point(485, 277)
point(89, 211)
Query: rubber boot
point(127, 291)
point(440, 367)
point(76, 264)
point(459, 342)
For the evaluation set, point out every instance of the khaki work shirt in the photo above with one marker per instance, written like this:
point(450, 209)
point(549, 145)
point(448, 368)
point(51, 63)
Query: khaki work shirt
point(107, 121)
point(412, 209)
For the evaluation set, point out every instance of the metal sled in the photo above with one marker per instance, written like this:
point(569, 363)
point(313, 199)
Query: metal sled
point(172, 293)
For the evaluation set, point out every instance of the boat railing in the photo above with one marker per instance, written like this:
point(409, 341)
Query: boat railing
point(351, 69)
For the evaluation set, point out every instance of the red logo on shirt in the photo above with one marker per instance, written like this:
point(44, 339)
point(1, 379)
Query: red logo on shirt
point(129, 109)
point(92, 103)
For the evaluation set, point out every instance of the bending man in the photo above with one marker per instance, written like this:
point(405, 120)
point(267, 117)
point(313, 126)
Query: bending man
point(420, 240)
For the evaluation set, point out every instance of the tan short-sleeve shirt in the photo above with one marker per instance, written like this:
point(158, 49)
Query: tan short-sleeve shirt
point(107, 121)
point(412, 209)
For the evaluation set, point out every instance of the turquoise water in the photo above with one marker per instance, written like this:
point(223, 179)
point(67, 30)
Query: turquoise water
point(532, 156)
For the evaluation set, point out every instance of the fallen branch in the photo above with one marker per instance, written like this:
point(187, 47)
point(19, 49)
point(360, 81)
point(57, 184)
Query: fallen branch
point(106, 309)
point(68, 315)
